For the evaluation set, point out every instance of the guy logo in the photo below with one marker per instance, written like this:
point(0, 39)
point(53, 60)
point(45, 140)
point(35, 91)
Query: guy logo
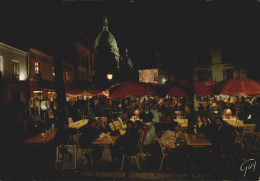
point(249, 164)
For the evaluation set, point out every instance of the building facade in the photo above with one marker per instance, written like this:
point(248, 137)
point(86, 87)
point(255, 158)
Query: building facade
point(217, 65)
point(106, 55)
point(13, 73)
point(83, 56)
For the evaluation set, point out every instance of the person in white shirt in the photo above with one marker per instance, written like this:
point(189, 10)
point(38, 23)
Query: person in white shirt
point(157, 117)
point(149, 137)
point(173, 143)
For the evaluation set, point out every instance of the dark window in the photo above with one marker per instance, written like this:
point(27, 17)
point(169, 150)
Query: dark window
point(228, 57)
point(229, 73)
point(15, 97)
point(79, 75)
point(203, 76)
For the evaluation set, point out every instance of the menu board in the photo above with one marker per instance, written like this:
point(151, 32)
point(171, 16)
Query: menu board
point(66, 157)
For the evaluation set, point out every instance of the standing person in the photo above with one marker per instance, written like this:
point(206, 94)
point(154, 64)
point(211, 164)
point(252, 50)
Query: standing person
point(157, 116)
point(149, 138)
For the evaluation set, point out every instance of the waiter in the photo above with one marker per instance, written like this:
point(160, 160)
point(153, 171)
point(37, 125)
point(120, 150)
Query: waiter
point(149, 137)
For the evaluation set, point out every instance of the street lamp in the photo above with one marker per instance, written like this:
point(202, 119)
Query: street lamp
point(163, 80)
point(109, 76)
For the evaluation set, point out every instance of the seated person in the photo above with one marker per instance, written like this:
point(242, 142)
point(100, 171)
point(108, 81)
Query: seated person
point(139, 127)
point(205, 129)
point(167, 121)
point(173, 143)
point(222, 138)
point(117, 125)
point(89, 135)
point(127, 143)
point(169, 137)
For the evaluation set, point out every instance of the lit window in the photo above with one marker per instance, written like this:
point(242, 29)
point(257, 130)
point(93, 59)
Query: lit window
point(79, 75)
point(36, 68)
point(53, 73)
point(67, 77)
point(16, 71)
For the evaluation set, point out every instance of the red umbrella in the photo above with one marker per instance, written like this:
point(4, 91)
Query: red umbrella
point(209, 83)
point(239, 86)
point(180, 89)
point(136, 89)
point(86, 88)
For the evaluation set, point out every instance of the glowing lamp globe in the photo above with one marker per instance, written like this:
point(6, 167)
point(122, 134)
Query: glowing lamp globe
point(109, 76)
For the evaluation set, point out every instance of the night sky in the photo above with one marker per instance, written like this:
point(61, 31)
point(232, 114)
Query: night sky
point(143, 26)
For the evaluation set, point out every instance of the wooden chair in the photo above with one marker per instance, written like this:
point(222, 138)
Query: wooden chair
point(139, 144)
point(131, 157)
point(134, 156)
point(249, 129)
point(83, 150)
point(163, 154)
point(247, 134)
point(70, 120)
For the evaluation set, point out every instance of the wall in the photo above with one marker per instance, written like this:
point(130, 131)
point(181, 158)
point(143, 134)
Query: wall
point(11, 86)
point(148, 75)
point(87, 66)
point(45, 63)
point(67, 67)
point(10, 53)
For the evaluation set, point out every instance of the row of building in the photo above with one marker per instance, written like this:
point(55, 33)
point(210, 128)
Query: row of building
point(213, 64)
point(30, 74)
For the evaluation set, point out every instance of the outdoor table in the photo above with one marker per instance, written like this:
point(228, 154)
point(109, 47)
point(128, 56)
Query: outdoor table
point(78, 124)
point(106, 142)
point(234, 123)
point(134, 118)
point(182, 122)
point(41, 138)
point(195, 141)
point(256, 134)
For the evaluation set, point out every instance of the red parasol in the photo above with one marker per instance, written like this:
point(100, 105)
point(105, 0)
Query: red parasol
point(180, 89)
point(85, 88)
point(238, 86)
point(136, 89)
point(209, 83)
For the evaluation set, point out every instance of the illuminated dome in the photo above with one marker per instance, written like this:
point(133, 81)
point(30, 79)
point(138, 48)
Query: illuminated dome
point(106, 42)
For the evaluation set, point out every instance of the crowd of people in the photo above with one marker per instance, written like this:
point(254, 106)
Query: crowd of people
point(154, 119)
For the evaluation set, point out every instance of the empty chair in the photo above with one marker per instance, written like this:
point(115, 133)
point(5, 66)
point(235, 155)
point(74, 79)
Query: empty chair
point(139, 144)
point(133, 155)
point(249, 129)
point(83, 150)
point(163, 154)
point(130, 157)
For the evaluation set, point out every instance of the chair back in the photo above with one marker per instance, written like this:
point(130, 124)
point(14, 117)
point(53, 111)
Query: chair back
point(249, 129)
point(139, 144)
point(160, 143)
point(76, 138)
point(70, 120)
